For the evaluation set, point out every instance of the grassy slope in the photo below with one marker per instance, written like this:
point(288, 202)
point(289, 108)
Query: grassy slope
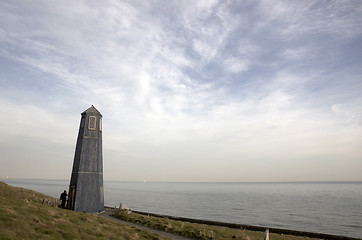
point(22, 216)
point(200, 231)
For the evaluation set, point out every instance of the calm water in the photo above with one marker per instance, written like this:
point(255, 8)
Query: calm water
point(333, 208)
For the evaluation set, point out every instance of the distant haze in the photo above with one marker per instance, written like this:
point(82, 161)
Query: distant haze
point(230, 91)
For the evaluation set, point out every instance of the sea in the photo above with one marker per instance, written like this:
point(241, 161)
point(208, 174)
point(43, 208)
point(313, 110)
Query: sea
point(322, 207)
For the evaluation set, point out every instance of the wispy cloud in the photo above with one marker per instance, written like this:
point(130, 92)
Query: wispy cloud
point(193, 87)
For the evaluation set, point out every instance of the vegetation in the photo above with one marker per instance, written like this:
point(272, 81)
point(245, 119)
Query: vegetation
point(23, 216)
point(199, 231)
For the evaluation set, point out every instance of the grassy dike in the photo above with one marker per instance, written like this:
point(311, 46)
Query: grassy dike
point(199, 231)
point(23, 216)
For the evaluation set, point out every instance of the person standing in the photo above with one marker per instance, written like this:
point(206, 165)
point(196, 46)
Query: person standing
point(63, 197)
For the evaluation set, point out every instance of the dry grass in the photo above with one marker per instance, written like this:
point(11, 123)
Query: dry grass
point(200, 231)
point(23, 216)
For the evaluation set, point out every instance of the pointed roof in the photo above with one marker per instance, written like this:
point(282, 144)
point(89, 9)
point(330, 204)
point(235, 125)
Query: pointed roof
point(92, 109)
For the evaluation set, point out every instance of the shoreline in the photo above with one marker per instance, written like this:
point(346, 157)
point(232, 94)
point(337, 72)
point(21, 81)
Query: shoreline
point(251, 227)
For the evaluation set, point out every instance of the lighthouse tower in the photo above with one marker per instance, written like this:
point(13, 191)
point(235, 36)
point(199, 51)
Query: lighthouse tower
point(86, 184)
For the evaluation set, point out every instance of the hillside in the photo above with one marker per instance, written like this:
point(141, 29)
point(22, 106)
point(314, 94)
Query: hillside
point(23, 216)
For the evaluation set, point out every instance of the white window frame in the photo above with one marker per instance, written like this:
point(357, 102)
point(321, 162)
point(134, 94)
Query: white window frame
point(95, 123)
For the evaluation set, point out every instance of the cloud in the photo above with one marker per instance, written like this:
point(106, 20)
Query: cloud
point(31, 121)
point(215, 86)
point(348, 113)
point(234, 65)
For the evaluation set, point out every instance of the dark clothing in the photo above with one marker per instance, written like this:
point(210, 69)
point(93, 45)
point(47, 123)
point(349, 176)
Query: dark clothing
point(63, 197)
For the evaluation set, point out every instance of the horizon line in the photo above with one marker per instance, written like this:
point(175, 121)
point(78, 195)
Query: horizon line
point(149, 181)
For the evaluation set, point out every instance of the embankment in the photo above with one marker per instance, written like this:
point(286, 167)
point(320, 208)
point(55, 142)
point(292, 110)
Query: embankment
point(252, 228)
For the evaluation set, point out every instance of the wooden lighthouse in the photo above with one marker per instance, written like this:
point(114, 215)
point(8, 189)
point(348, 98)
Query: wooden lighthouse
point(86, 183)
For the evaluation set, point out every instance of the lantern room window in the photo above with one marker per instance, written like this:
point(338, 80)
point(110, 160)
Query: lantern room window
point(92, 123)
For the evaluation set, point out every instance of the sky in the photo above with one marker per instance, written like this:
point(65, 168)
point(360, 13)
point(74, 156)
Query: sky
point(190, 91)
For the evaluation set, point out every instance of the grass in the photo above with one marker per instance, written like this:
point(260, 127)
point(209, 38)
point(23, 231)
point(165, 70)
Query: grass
point(199, 231)
point(23, 216)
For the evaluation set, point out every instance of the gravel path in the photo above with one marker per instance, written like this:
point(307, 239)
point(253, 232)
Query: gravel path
point(107, 214)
